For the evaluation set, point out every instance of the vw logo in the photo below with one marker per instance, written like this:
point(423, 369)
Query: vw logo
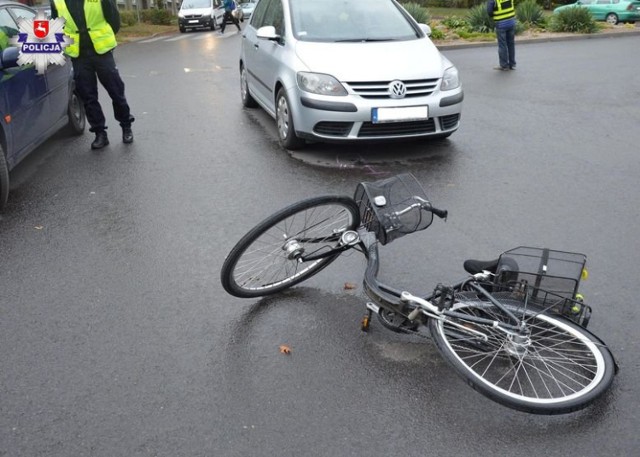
point(397, 89)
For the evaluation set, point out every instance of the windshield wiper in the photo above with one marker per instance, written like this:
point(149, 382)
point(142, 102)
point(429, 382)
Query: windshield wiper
point(364, 40)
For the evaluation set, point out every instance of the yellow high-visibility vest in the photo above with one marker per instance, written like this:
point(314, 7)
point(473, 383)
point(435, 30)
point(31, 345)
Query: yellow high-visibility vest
point(100, 32)
point(503, 10)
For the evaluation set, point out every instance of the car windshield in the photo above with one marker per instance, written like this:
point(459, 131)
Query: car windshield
point(349, 20)
point(192, 4)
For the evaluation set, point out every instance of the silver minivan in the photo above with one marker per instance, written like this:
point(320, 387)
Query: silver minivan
point(347, 71)
point(198, 14)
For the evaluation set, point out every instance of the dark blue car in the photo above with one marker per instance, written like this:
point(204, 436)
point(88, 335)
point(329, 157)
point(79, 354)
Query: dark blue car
point(33, 107)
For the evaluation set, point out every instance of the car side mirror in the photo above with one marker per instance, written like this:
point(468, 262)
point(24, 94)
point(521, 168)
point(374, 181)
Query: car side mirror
point(268, 32)
point(9, 58)
point(426, 29)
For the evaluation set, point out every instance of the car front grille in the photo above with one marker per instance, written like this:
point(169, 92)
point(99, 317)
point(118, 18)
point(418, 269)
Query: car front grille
point(380, 89)
point(449, 122)
point(333, 128)
point(370, 130)
point(192, 16)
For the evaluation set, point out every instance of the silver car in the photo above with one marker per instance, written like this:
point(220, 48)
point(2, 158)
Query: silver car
point(347, 70)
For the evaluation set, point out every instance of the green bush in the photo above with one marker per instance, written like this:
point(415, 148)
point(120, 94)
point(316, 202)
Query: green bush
point(445, 3)
point(530, 13)
point(479, 20)
point(437, 34)
point(128, 18)
point(455, 22)
point(156, 16)
point(574, 20)
point(419, 13)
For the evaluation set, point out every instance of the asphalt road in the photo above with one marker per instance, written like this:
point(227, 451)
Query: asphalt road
point(116, 338)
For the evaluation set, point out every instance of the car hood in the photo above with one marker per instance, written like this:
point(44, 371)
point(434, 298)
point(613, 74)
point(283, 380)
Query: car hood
point(381, 61)
point(202, 11)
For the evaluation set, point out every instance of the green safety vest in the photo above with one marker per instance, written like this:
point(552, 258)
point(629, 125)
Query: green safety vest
point(503, 10)
point(100, 31)
point(4, 40)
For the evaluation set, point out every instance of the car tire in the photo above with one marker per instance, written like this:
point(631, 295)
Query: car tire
point(182, 29)
point(247, 100)
point(284, 120)
point(213, 22)
point(4, 180)
point(611, 18)
point(77, 116)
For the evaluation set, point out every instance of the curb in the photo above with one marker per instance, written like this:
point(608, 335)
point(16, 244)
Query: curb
point(581, 36)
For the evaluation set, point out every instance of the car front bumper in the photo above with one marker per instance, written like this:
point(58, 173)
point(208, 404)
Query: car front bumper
point(194, 22)
point(350, 118)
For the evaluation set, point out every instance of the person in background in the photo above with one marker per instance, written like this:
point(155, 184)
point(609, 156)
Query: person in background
point(503, 13)
point(229, 6)
point(93, 24)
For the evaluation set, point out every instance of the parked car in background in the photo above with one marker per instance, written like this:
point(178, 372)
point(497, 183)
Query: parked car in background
point(347, 71)
point(199, 14)
point(33, 107)
point(247, 7)
point(611, 11)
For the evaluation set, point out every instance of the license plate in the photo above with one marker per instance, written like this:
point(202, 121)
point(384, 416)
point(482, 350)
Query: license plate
point(193, 21)
point(405, 113)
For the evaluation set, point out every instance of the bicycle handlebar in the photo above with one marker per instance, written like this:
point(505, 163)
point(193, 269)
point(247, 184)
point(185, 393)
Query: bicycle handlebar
point(425, 205)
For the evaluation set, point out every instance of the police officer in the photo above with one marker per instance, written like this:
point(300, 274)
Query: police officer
point(93, 24)
point(504, 16)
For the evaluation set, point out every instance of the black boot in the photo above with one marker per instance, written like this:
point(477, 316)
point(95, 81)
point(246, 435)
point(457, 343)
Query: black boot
point(127, 135)
point(101, 140)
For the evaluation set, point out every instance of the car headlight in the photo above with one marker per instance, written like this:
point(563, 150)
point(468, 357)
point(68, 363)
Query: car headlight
point(450, 79)
point(321, 84)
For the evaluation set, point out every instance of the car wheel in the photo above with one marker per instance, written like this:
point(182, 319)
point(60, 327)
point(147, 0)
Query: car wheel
point(612, 18)
point(182, 29)
point(77, 117)
point(4, 180)
point(247, 100)
point(284, 119)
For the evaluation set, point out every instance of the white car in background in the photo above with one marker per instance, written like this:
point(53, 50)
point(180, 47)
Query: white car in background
point(247, 7)
point(347, 71)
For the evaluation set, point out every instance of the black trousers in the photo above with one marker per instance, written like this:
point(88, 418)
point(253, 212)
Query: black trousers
point(228, 15)
point(90, 68)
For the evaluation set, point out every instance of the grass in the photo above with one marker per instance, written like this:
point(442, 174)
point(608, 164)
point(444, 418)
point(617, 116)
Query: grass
point(441, 13)
point(141, 30)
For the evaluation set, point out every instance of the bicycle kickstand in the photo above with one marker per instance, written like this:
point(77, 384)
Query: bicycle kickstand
point(366, 320)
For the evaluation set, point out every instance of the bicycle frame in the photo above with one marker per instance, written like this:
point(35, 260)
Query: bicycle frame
point(402, 302)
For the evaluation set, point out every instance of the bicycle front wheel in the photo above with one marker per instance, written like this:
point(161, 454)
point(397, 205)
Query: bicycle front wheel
point(267, 259)
point(552, 367)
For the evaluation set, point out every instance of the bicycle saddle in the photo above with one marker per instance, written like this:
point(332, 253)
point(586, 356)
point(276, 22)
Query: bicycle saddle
point(478, 266)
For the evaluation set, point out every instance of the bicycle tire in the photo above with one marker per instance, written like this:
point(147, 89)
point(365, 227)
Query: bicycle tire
point(563, 369)
point(260, 263)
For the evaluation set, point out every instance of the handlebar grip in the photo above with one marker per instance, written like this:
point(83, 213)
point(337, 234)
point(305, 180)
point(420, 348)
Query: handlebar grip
point(441, 213)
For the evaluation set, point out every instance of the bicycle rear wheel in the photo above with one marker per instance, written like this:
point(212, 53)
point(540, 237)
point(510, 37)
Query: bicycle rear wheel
point(556, 367)
point(265, 260)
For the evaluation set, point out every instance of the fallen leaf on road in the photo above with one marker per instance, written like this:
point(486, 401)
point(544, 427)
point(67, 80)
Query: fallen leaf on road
point(349, 286)
point(284, 349)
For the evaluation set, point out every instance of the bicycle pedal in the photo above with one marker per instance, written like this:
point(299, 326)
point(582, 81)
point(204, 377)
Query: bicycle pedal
point(366, 321)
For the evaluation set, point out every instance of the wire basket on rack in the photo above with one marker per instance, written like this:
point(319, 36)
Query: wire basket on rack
point(544, 279)
point(392, 207)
